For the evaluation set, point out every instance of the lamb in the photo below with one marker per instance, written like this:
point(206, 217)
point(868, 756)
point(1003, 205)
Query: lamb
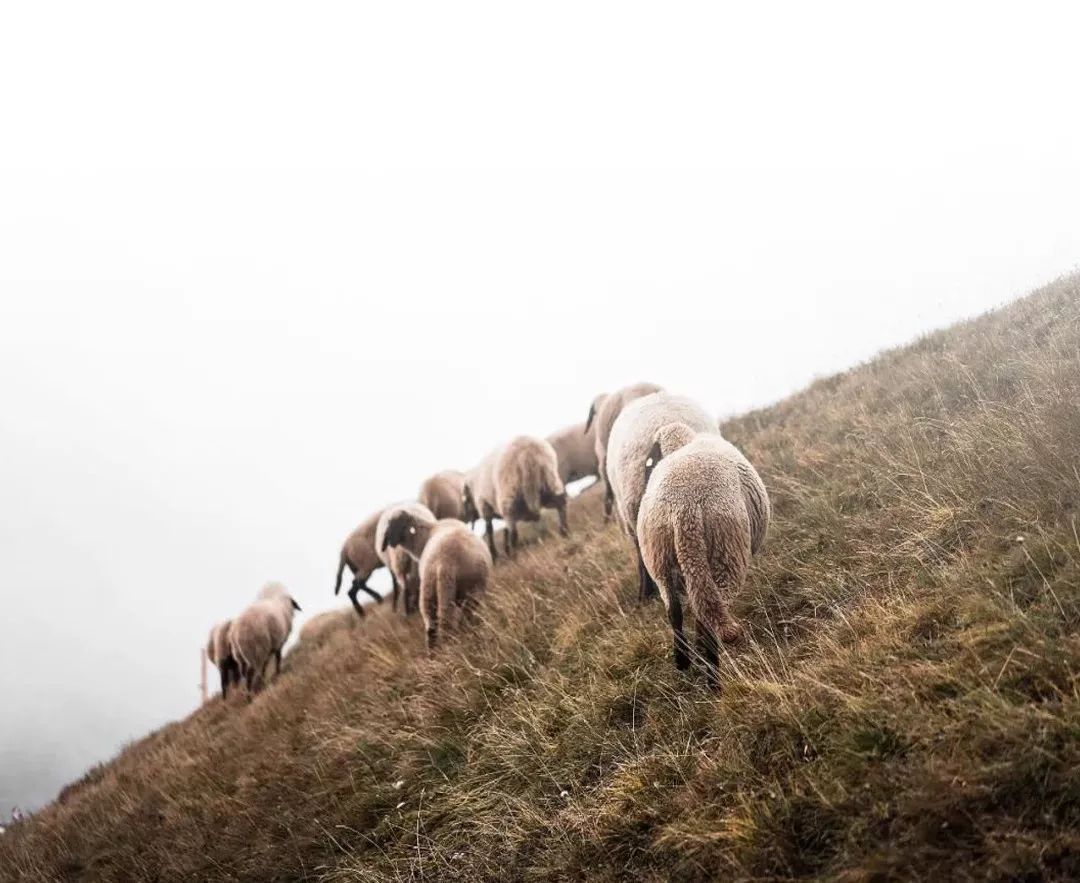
point(632, 437)
point(605, 409)
point(442, 492)
point(359, 555)
point(219, 652)
point(575, 448)
point(478, 497)
point(526, 476)
point(402, 570)
point(261, 631)
point(454, 563)
point(704, 513)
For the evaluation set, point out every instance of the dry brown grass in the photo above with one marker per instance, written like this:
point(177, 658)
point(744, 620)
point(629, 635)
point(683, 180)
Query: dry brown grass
point(906, 705)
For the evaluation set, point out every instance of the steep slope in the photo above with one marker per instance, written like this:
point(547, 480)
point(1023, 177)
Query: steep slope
point(906, 705)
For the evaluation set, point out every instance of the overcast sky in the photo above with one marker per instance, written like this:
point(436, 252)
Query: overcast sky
point(265, 267)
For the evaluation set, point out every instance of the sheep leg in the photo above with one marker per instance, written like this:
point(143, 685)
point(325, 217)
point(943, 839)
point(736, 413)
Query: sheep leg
point(430, 611)
point(560, 506)
point(646, 585)
point(277, 662)
point(395, 590)
point(708, 649)
point(675, 617)
point(489, 535)
point(510, 537)
point(224, 680)
point(353, 592)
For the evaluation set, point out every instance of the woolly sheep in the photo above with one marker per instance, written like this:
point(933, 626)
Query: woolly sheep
point(441, 493)
point(455, 567)
point(605, 410)
point(632, 437)
point(219, 652)
point(478, 497)
point(526, 478)
point(359, 555)
point(704, 513)
point(575, 448)
point(261, 631)
point(405, 576)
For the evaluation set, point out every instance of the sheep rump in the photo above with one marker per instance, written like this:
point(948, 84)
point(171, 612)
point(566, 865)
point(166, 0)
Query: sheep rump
point(454, 566)
point(527, 479)
point(703, 515)
point(260, 632)
point(219, 652)
point(575, 449)
point(442, 492)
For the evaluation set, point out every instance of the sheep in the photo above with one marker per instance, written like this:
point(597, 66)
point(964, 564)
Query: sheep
point(261, 631)
point(359, 555)
point(441, 493)
point(704, 513)
point(219, 652)
point(454, 563)
point(575, 448)
point(631, 438)
point(526, 478)
point(402, 570)
point(604, 410)
point(478, 497)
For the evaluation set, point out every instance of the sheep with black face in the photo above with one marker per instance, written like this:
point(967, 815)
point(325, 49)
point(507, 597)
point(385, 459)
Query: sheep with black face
point(455, 567)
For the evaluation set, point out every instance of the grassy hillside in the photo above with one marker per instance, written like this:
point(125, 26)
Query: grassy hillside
point(906, 704)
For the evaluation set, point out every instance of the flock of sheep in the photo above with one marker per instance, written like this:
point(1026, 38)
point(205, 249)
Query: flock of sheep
point(694, 508)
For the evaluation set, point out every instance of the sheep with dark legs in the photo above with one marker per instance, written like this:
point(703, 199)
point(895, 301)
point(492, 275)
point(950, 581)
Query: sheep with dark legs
point(454, 563)
point(260, 632)
point(219, 652)
point(526, 477)
point(478, 498)
point(632, 437)
point(403, 572)
point(359, 555)
point(704, 513)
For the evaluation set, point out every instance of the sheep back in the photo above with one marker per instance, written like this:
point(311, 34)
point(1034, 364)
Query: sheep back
point(441, 493)
point(575, 450)
point(632, 436)
point(526, 477)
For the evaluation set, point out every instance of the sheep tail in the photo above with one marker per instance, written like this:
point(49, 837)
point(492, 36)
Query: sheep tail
point(705, 595)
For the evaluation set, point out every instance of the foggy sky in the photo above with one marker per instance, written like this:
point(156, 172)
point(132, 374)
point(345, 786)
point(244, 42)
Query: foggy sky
point(264, 269)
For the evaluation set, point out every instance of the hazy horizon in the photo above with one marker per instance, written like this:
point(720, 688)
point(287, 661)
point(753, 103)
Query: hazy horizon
point(259, 279)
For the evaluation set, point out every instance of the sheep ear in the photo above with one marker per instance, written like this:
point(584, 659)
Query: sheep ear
point(655, 456)
point(294, 604)
point(592, 414)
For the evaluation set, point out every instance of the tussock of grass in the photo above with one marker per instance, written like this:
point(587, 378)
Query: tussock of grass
point(906, 704)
